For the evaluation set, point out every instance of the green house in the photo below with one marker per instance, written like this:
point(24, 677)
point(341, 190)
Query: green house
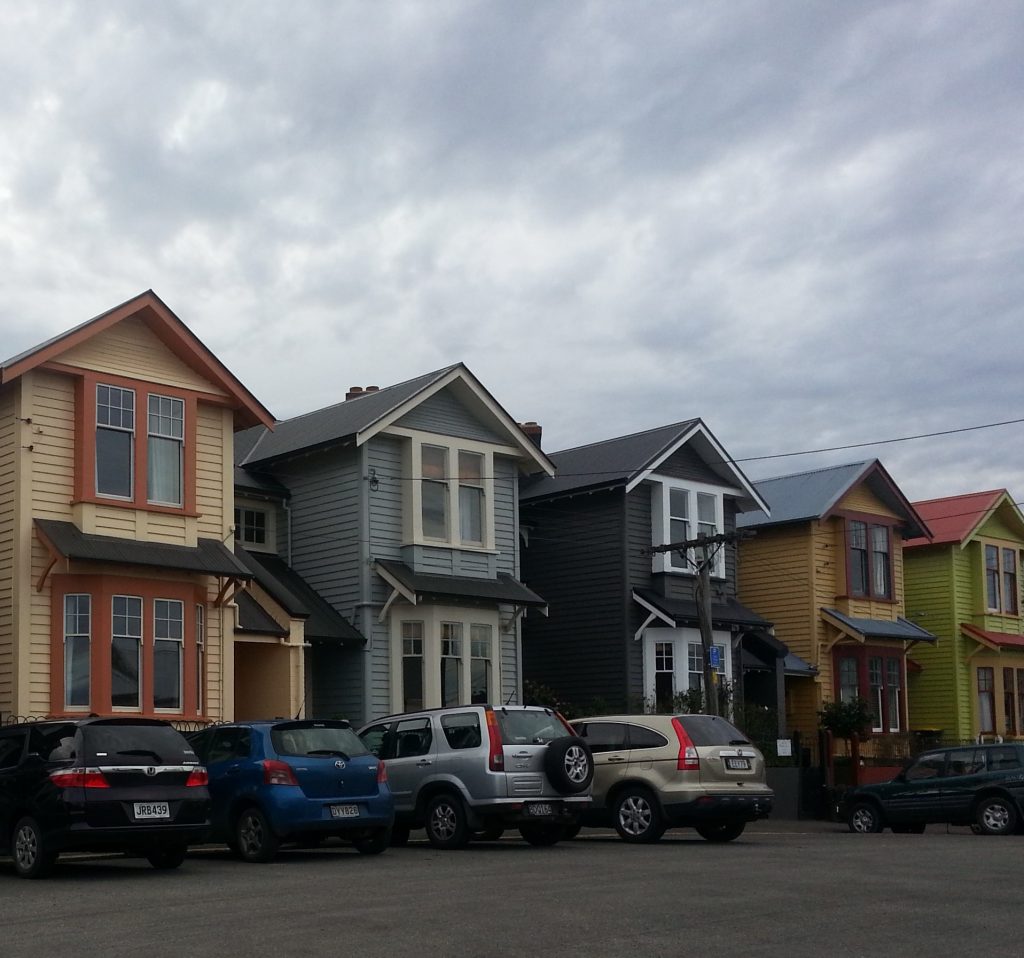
point(963, 585)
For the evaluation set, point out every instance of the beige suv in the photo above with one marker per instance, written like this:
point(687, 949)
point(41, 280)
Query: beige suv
point(653, 772)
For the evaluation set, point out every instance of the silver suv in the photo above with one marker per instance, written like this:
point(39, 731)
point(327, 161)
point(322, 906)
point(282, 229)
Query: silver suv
point(471, 771)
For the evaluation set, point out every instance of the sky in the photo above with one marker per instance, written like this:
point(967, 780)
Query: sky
point(802, 222)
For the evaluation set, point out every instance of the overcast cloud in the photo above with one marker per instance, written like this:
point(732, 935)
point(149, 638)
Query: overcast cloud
point(801, 222)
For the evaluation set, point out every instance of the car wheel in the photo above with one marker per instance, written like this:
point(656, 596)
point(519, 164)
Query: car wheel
point(400, 835)
point(374, 842)
point(864, 818)
point(446, 823)
point(491, 834)
point(569, 765)
point(996, 816)
point(637, 816)
point(542, 834)
point(32, 859)
point(721, 832)
point(167, 858)
point(256, 840)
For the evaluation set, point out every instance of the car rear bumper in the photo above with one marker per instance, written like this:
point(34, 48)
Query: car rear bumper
point(84, 838)
point(298, 815)
point(559, 811)
point(717, 808)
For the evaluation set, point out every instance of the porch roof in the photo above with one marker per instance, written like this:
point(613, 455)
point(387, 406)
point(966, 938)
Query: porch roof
point(679, 612)
point(252, 617)
point(504, 589)
point(1001, 640)
point(863, 629)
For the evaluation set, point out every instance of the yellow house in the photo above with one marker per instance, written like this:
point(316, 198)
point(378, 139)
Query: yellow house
point(117, 575)
point(827, 569)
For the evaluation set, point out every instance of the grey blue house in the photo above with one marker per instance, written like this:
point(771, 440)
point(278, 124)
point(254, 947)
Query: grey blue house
point(399, 507)
point(623, 625)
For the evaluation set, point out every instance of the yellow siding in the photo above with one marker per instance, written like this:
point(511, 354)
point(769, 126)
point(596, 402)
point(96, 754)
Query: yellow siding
point(862, 499)
point(114, 521)
point(131, 349)
point(51, 435)
point(9, 429)
point(997, 661)
point(214, 455)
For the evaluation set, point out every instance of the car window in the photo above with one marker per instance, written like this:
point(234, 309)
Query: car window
point(115, 740)
point(220, 746)
point(377, 740)
point(640, 737)
point(242, 747)
point(529, 727)
point(603, 736)
point(965, 761)
point(711, 730)
point(53, 743)
point(462, 730)
point(11, 747)
point(413, 737)
point(316, 738)
point(931, 765)
point(1000, 759)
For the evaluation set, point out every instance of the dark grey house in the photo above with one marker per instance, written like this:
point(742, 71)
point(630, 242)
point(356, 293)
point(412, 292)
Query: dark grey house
point(623, 624)
point(399, 506)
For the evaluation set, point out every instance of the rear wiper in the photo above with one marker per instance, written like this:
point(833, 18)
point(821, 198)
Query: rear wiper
point(139, 751)
point(739, 741)
point(329, 751)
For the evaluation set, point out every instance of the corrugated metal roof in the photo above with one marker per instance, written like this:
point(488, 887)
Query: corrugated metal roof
point(210, 556)
point(330, 424)
point(1006, 640)
point(882, 628)
point(954, 518)
point(504, 589)
point(611, 462)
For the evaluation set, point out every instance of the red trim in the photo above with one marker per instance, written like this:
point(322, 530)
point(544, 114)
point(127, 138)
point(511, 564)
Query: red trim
point(886, 522)
point(862, 653)
point(101, 589)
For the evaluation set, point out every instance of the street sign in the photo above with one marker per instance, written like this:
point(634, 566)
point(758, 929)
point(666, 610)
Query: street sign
point(715, 657)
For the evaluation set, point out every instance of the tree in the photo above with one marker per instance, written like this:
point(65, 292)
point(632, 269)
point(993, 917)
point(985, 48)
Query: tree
point(849, 720)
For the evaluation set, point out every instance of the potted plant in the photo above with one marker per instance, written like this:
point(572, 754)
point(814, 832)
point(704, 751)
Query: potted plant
point(850, 720)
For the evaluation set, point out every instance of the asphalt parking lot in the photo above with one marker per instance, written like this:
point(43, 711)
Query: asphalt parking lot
point(784, 888)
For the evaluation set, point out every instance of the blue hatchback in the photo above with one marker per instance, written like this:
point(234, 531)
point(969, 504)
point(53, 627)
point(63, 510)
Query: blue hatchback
point(294, 781)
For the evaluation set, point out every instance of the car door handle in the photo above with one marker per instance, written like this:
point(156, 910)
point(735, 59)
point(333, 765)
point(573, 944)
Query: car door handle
point(615, 758)
point(521, 755)
point(424, 761)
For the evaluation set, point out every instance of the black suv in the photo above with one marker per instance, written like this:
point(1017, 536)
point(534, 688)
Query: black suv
point(130, 785)
point(979, 785)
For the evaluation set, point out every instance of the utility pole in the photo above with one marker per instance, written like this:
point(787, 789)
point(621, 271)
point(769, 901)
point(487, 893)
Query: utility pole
point(709, 546)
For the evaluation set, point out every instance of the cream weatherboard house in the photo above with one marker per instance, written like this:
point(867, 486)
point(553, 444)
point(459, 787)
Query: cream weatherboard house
point(117, 574)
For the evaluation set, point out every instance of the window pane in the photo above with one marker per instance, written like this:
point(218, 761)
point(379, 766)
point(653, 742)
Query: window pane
point(77, 629)
point(435, 462)
point(164, 475)
point(168, 630)
point(679, 503)
point(114, 463)
point(1010, 581)
point(471, 514)
point(880, 561)
point(992, 577)
point(858, 558)
point(412, 682)
point(706, 511)
point(451, 680)
point(986, 700)
point(849, 684)
point(1009, 701)
point(892, 680)
point(435, 510)
point(471, 467)
point(125, 651)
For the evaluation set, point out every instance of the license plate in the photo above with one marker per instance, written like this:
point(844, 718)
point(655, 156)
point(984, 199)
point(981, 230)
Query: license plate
point(539, 808)
point(738, 763)
point(146, 810)
point(344, 811)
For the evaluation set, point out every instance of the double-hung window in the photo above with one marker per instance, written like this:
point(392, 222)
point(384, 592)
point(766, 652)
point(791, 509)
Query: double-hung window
point(126, 652)
point(869, 559)
point(451, 504)
point(875, 676)
point(877, 685)
point(250, 526)
point(1001, 588)
point(451, 663)
point(481, 650)
point(115, 441)
point(986, 699)
point(664, 674)
point(683, 512)
point(77, 636)
point(471, 497)
point(434, 492)
point(412, 666)
point(849, 682)
point(165, 450)
point(168, 647)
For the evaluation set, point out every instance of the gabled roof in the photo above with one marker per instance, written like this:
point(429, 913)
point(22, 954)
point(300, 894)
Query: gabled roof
point(169, 329)
point(958, 518)
point(357, 420)
point(814, 494)
point(628, 460)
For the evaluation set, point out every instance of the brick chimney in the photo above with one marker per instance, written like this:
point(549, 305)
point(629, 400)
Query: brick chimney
point(533, 432)
point(354, 392)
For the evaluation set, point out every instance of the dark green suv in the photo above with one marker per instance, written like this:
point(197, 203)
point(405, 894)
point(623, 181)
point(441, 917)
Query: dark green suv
point(979, 785)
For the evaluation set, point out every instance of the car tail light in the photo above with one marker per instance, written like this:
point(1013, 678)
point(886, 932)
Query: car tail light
point(197, 776)
point(561, 718)
point(496, 757)
point(688, 758)
point(277, 773)
point(79, 778)
point(382, 773)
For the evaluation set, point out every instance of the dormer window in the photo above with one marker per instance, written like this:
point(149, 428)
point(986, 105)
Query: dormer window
point(681, 512)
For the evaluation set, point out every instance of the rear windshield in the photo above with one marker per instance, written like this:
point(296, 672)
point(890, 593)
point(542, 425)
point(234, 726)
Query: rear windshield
point(316, 738)
point(712, 730)
point(530, 727)
point(122, 743)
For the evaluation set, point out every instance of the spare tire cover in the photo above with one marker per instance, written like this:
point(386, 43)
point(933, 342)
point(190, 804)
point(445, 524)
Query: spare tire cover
point(569, 765)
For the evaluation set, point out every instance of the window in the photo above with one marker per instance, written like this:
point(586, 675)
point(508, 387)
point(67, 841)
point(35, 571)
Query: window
point(965, 761)
point(1001, 587)
point(1010, 581)
point(604, 736)
point(1020, 700)
point(200, 655)
point(115, 441)
point(168, 637)
point(695, 663)
point(932, 765)
point(126, 652)
point(251, 526)
point(664, 674)
point(875, 675)
point(11, 747)
point(435, 492)
point(986, 700)
point(164, 450)
point(77, 633)
point(869, 559)
point(412, 666)
point(992, 578)
point(462, 731)
point(640, 737)
point(471, 497)
point(413, 737)
point(451, 662)
point(481, 643)
point(682, 512)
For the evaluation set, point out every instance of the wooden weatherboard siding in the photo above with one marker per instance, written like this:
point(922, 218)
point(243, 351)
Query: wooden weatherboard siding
point(443, 414)
point(10, 429)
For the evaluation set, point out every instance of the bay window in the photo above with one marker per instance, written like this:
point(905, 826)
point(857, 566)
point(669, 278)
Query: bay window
point(451, 663)
point(481, 651)
point(674, 663)
point(126, 652)
point(165, 448)
point(682, 511)
point(876, 675)
point(412, 666)
point(77, 640)
point(450, 495)
point(115, 441)
point(869, 559)
point(986, 699)
point(168, 639)
point(1001, 588)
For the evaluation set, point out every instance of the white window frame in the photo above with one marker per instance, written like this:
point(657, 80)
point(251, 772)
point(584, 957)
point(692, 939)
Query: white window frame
point(269, 526)
point(175, 405)
point(200, 656)
point(141, 658)
point(433, 619)
point(87, 635)
point(180, 642)
point(661, 523)
point(130, 430)
point(681, 640)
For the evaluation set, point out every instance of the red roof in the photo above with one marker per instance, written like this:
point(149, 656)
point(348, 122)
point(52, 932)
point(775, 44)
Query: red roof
point(954, 518)
point(1004, 640)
